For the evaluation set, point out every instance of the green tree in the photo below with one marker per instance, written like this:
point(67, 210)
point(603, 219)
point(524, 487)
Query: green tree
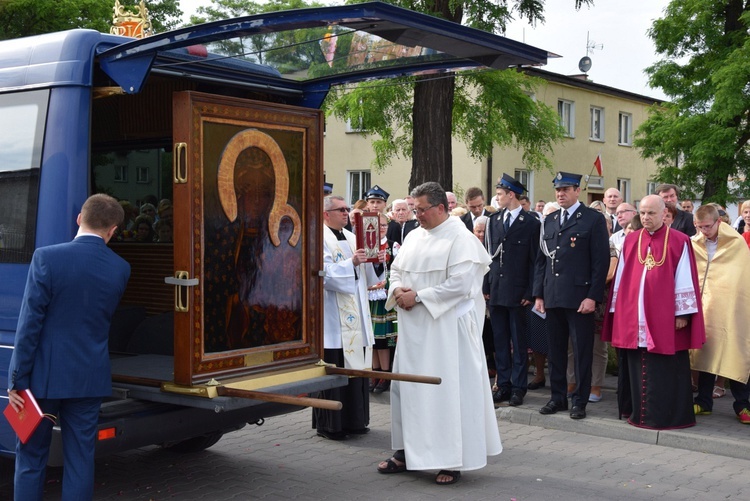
point(488, 108)
point(20, 18)
point(700, 138)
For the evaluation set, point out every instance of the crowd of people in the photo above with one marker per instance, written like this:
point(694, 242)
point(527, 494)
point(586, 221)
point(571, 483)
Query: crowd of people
point(557, 287)
point(151, 222)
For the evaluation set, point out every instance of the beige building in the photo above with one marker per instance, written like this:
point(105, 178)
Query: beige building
point(598, 120)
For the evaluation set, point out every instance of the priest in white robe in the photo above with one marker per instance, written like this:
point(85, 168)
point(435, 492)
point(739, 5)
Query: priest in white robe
point(347, 326)
point(436, 287)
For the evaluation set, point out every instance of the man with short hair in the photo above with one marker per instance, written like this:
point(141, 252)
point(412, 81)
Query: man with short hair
point(61, 348)
point(625, 213)
point(512, 238)
point(682, 221)
point(612, 200)
point(725, 294)
point(410, 202)
point(377, 199)
point(436, 285)
point(475, 202)
point(569, 281)
point(452, 200)
point(687, 206)
point(525, 203)
point(346, 322)
point(539, 207)
point(654, 317)
point(401, 224)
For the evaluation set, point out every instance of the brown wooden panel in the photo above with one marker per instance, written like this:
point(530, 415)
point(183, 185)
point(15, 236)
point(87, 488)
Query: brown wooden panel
point(149, 264)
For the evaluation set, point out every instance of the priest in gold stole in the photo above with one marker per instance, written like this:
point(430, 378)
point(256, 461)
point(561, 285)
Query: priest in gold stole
point(723, 261)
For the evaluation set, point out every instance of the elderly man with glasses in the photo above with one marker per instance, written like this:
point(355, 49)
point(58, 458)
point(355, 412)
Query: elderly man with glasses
point(346, 322)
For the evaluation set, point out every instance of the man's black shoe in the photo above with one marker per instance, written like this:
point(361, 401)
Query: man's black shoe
point(577, 412)
point(515, 400)
point(501, 396)
point(535, 385)
point(552, 407)
point(333, 435)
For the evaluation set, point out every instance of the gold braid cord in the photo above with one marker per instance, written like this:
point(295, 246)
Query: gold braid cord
point(253, 138)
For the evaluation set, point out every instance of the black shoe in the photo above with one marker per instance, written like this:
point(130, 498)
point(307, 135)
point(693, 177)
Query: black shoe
point(577, 412)
point(383, 385)
point(358, 431)
point(373, 383)
point(333, 435)
point(535, 385)
point(501, 395)
point(552, 407)
point(515, 400)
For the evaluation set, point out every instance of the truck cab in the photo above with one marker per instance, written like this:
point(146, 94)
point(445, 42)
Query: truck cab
point(212, 138)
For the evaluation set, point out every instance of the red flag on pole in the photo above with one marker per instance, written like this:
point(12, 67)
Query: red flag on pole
point(598, 164)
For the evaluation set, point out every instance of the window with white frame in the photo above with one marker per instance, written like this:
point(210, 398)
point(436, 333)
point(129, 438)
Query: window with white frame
point(121, 173)
point(566, 110)
point(650, 188)
point(624, 186)
point(597, 124)
point(526, 178)
point(359, 183)
point(142, 176)
point(625, 133)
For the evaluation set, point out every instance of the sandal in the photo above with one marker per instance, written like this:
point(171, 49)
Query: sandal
point(719, 392)
point(455, 476)
point(391, 466)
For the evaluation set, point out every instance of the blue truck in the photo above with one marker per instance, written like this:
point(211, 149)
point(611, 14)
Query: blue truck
point(218, 127)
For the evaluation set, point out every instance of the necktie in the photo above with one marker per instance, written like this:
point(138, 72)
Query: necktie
point(564, 218)
point(506, 222)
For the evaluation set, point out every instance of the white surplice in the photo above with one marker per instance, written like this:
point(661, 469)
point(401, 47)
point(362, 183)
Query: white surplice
point(453, 425)
point(341, 281)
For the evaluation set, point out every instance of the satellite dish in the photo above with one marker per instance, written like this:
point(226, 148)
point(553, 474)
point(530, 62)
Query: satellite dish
point(584, 64)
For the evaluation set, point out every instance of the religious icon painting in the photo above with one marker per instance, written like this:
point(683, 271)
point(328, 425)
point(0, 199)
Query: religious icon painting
point(367, 231)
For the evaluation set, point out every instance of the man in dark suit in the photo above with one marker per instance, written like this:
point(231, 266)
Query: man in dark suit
point(569, 281)
point(512, 238)
point(475, 202)
point(61, 351)
point(401, 224)
point(683, 221)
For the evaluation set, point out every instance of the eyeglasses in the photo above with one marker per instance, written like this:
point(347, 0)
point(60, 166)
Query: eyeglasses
point(704, 227)
point(340, 209)
point(621, 212)
point(420, 211)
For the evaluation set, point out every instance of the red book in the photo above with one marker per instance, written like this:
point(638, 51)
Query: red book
point(25, 422)
point(366, 227)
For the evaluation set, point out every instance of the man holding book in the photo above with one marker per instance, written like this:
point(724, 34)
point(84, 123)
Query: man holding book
point(61, 348)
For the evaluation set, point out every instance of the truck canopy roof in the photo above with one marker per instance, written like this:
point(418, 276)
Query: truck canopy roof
point(301, 51)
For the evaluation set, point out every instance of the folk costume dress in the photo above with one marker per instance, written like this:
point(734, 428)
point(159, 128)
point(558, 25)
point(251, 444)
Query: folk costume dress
point(384, 326)
point(453, 425)
point(656, 281)
point(347, 331)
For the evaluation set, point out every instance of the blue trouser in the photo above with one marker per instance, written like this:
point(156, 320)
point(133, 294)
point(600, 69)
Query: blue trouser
point(511, 345)
point(78, 419)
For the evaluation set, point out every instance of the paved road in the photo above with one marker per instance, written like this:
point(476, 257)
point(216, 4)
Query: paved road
point(285, 460)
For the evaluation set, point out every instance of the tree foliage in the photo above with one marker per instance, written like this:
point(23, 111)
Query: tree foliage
point(20, 18)
point(700, 138)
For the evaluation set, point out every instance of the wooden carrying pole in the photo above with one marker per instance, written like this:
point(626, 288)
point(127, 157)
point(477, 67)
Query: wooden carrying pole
point(318, 403)
point(395, 376)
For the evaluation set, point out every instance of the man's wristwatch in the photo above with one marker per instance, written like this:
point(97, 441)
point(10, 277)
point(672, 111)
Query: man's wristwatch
point(417, 298)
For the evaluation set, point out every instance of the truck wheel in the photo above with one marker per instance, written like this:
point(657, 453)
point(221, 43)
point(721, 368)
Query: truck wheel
point(195, 444)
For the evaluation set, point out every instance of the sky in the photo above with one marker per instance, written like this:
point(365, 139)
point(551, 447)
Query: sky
point(619, 26)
